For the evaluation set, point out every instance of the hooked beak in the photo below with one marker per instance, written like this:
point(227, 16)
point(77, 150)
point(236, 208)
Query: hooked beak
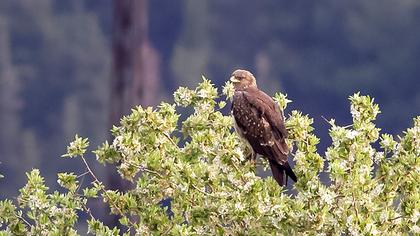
point(233, 79)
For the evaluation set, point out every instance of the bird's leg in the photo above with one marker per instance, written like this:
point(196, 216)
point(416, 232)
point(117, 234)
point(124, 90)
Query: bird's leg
point(251, 155)
point(253, 158)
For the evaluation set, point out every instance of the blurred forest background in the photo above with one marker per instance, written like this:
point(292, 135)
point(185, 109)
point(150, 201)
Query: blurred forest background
point(63, 64)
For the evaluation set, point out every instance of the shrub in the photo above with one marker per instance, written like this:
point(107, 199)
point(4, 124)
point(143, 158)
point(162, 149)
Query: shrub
point(201, 165)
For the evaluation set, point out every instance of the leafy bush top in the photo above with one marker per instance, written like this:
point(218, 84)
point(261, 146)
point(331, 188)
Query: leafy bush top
point(201, 165)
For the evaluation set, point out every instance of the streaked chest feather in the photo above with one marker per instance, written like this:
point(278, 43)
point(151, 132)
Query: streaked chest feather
point(248, 120)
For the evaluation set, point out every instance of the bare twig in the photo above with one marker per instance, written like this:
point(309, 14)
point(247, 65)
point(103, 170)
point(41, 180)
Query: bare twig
point(104, 190)
point(204, 192)
point(329, 122)
point(170, 139)
point(89, 212)
point(396, 218)
point(237, 169)
point(81, 181)
point(326, 120)
point(153, 172)
point(83, 174)
point(168, 230)
point(355, 208)
point(142, 168)
point(24, 220)
point(201, 191)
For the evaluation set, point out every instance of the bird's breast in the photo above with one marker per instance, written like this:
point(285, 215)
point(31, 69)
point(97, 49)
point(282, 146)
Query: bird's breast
point(248, 120)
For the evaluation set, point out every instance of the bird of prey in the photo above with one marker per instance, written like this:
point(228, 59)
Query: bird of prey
point(259, 122)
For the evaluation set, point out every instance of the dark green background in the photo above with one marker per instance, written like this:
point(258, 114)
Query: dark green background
point(55, 65)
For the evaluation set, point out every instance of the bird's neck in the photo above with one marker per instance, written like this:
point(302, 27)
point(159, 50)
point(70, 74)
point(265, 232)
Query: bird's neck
point(245, 87)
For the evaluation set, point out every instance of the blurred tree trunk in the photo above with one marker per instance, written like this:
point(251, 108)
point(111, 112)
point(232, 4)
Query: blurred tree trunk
point(135, 72)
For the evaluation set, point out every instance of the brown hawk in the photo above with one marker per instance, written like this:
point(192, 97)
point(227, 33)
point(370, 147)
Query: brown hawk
point(259, 121)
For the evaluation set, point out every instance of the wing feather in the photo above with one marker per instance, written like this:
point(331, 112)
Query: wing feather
point(271, 113)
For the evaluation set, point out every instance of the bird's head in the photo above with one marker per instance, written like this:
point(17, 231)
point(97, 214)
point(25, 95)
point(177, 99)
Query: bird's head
point(243, 79)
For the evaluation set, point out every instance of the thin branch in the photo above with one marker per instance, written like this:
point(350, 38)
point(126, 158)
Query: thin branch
point(210, 187)
point(204, 192)
point(326, 120)
point(81, 181)
point(23, 219)
point(87, 172)
point(170, 139)
point(237, 169)
point(398, 217)
point(168, 230)
point(153, 172)
point(201, 191)
point(89, 169)
point(142, 168)
point(103, 189)
point(346, 126)
point(355, 208)
point(89, 212)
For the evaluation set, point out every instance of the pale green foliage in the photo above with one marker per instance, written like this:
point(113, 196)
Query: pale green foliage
point(282, 100)
point(45, 213)
point(201, 165)
point(77, 147)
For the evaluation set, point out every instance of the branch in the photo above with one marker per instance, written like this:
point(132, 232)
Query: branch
point(104, 190)
point(398, 217)
point(87, 172)
point(237, 169)
point(153, 172)
point(89, 212)
point(25, 221)
point(355, 208)
point(205, 193)
point(325, 119)
point(168, 230)
point(142, 168)
point(81, 182)
point(170, 139)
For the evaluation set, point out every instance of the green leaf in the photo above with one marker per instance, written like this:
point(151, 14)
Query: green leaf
point(68, 181)
point(77, 147)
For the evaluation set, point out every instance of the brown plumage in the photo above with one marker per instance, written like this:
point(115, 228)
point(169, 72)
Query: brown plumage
point(259, 121)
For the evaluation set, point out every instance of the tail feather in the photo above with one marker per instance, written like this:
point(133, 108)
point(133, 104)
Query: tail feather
point(279, 171)
point(290, 172)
